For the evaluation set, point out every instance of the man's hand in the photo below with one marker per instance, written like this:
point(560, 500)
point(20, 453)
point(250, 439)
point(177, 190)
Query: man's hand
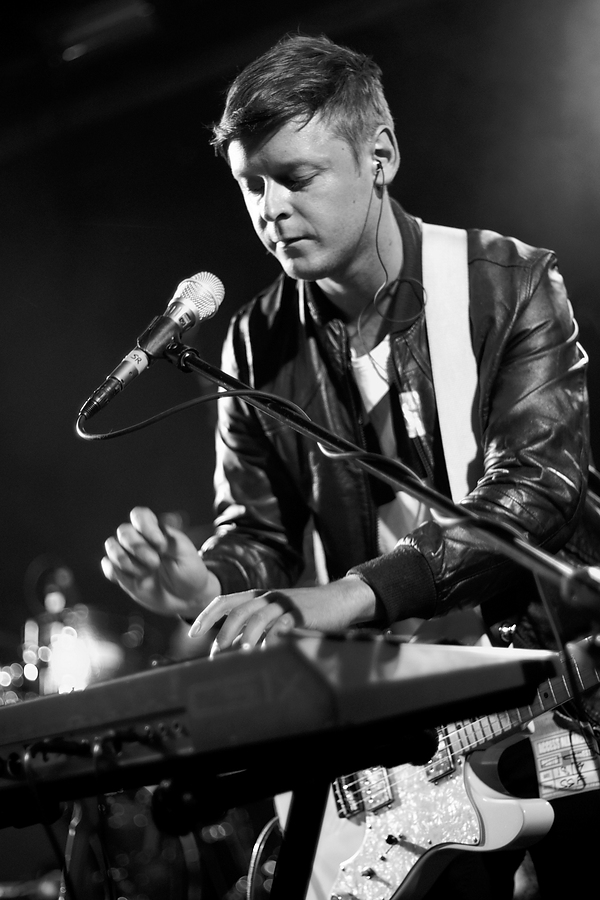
point(158, 567)
point(252, 616)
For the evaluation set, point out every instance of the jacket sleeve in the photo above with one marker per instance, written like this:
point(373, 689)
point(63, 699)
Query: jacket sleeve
point(535, 444)
point(260, 517)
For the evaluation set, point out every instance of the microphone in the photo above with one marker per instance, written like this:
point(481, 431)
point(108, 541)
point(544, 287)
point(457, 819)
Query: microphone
point(195, 299)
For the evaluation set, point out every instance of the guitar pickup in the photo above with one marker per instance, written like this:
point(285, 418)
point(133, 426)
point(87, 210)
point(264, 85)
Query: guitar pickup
point(364, 791)
point(442, 763)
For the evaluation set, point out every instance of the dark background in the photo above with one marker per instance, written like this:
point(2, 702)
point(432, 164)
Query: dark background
point(110, 195)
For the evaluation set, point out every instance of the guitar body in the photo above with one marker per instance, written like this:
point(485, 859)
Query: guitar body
point(390, 833)
point(406, 846)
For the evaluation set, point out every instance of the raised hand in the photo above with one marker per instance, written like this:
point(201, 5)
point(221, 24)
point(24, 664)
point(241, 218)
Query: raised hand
point(158, 566)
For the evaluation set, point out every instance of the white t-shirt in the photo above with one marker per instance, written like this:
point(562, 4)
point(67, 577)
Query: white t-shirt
point(403, 514)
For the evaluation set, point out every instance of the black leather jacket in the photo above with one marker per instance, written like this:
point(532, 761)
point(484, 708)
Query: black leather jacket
point(533, 418)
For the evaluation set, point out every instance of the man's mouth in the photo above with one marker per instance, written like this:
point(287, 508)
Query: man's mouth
point(283, 243)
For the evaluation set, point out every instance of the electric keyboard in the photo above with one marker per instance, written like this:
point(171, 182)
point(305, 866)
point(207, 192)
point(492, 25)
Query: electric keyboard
point(335, 700)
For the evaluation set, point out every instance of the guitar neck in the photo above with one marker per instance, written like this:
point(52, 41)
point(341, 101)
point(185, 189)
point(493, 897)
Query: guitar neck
point(371, 789)
point(468, 735)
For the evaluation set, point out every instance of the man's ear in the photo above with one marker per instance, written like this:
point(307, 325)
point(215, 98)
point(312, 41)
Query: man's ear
point(386, 156)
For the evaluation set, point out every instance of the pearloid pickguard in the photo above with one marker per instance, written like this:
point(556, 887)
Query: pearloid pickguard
point(423, 815)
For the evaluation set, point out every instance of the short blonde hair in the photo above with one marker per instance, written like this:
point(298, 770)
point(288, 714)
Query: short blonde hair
point(299, 78)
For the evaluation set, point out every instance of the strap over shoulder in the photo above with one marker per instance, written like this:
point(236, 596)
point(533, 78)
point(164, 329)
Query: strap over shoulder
point(454, 369)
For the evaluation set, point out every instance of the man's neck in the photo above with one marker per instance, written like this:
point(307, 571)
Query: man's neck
point(364, 296)
point(355, 291)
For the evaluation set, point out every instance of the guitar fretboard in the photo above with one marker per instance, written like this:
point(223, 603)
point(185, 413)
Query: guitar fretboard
point(372, 788)
point(471, 734)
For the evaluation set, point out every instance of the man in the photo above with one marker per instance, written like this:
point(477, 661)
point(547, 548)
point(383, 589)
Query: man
point(309, 138)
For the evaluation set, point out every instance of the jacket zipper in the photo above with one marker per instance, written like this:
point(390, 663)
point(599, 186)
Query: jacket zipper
point(373, 541)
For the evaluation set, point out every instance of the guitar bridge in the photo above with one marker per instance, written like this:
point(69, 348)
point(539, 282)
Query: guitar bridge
point(365, 791)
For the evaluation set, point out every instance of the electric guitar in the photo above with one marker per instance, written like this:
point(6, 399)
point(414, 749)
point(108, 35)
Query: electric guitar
point(416, 819)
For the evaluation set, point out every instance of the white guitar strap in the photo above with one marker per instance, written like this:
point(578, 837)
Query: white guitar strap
point(454, 370)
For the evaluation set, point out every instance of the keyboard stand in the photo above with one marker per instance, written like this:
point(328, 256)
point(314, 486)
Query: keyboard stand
point(299, 845)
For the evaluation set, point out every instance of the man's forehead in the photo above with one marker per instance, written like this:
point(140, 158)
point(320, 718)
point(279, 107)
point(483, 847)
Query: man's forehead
point(295, 142)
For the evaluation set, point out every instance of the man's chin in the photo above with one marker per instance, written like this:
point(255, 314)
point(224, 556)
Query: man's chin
point(301, 268)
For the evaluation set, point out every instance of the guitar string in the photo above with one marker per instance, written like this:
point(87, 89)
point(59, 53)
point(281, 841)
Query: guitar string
point(462, 727)
point(451, 742)
point(391, 780)
point(387, 779)
point(447, 746)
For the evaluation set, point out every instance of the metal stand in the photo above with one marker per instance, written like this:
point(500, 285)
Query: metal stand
point(300, 839)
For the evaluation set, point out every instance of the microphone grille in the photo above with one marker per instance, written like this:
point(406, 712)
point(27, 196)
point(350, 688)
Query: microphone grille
point(204, 290)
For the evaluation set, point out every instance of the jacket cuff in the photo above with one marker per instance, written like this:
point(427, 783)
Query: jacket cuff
point(232, 576)
point(402, 582)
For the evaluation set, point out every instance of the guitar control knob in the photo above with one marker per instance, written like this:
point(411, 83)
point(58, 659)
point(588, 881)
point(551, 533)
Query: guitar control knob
point(392, 839)
point(368, 872)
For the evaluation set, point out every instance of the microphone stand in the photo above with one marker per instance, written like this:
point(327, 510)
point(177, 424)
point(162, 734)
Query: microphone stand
point(583, 580)
point(299, 846)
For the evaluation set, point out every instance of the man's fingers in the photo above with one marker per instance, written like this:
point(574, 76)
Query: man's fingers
point(108, 570)
point(128, 583)
point(137, 545)
point(146, 523)
point(277, 613)
point(131, 556)
point(268, 621)
point(249, 621)
point(250, 616)
point(219, 607)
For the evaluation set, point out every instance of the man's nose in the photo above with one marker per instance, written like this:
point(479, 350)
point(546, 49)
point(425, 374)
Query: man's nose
point(275, 202)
